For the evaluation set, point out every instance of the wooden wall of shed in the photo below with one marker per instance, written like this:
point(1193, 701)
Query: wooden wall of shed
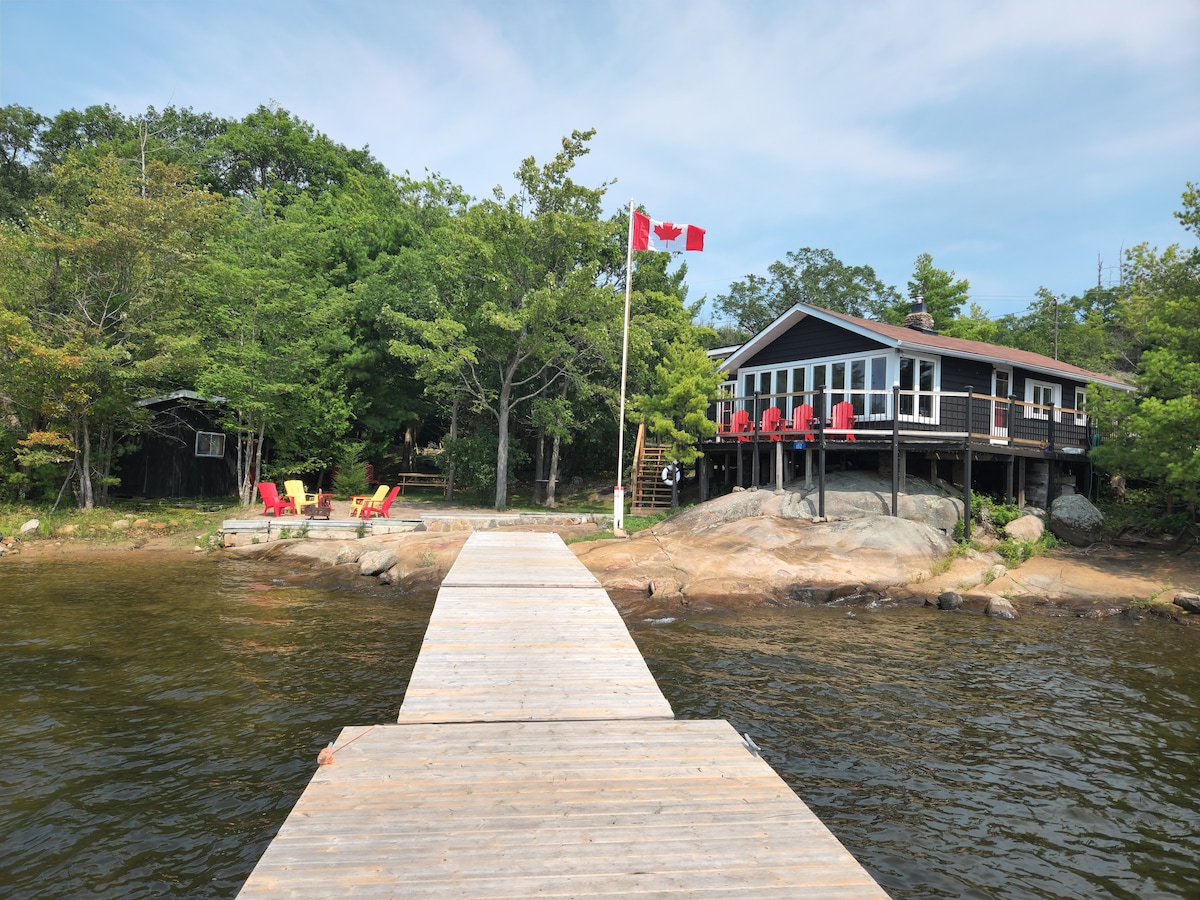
point(164, 463)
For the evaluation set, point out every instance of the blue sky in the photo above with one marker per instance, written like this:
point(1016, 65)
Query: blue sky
point(1014, 141)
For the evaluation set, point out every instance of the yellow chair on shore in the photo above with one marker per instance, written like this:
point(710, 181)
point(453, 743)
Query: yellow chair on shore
point(358, 504)
point(295, 490)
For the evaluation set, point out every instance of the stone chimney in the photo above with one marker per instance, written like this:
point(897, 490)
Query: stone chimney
point(918, 319)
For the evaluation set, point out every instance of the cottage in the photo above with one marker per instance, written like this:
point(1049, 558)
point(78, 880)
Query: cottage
point(900, 399)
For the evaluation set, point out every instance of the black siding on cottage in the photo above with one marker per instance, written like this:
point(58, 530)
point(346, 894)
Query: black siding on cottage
point(958, 374)
point(812, 338)
point(164, 462)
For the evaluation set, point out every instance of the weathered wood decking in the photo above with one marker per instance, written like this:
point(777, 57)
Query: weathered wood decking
point(535, 756)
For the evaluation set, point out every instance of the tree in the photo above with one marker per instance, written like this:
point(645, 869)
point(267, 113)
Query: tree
point(815, 277)
point(498, 296)
point(20, 130)
point(271, 323)
point(677, 402)
point(943, 295)
point(1154, 434)
point(97, 308)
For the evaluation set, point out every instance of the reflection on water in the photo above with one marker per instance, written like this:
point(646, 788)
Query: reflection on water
point(160, 716)
point(957, 756)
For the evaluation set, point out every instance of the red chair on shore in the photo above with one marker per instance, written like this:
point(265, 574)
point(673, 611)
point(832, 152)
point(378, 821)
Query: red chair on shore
point(379, 508)
point(272, 502)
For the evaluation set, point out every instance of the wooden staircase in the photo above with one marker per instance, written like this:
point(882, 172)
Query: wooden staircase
point(650, 493)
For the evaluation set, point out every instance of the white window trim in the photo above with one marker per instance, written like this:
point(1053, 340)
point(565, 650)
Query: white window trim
point(1080, 406)
point(935, 395)
point(1032, 412)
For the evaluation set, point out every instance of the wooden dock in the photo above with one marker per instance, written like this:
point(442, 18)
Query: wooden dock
point(535, 756)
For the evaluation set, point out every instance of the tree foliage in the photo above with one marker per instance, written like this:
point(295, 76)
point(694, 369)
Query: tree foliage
point(815, 277)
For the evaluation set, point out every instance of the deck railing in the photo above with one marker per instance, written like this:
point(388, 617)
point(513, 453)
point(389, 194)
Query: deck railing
point(911, 416)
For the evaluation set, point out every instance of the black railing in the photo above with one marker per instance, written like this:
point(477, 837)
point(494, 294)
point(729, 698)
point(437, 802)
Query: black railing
point(923, 415)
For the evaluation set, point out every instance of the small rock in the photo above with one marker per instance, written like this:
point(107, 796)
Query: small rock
point(67, 529)
point(1190, 602)
point(346, 555)
point(197, 549)
point(158, 526)
point(1026, 528)
point(997, 571)
point(120, 525)
point(31, 525)
point(140, 523)
point(949, 600)
point(1000, 608)
point(376, 562)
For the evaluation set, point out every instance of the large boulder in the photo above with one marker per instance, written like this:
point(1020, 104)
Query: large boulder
point(1073, 519)
point(738, 550)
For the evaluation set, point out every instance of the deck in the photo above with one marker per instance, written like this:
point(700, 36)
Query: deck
point(535, 756)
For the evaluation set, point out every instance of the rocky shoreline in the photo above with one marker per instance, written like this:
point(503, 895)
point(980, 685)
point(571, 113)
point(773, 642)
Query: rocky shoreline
point(761, 548)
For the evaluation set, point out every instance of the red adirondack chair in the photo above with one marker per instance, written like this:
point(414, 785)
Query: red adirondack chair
point(740, 424)
point(379, 508)
point(772, 422)
point(843, 419)
point(802, 421)
point(272, 502)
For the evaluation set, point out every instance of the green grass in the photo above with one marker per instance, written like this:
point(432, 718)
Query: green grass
point(201, 519)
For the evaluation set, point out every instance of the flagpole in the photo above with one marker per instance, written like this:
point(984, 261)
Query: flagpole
point(619, 491)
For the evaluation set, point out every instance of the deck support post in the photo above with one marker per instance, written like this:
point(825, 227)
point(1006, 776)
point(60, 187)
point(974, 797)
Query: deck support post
point(755, 475)
point(895, 449)
point(820, 455)
point(1008, 480)
point(779, 465)
point(705, 464)
point(967, 477)
point(1021, 483)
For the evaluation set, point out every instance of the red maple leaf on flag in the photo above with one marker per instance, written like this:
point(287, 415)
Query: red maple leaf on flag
point(665, 231)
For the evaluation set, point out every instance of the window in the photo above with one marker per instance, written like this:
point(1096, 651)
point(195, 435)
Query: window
point(1042, 395)
point(210, 443)
point(1080, 406)
point(917, 380)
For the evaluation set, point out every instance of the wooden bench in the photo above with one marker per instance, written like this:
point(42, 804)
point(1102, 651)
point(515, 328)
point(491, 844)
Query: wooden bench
point(420, 479)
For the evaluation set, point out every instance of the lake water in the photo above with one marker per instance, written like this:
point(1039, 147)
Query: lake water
point(161, 714)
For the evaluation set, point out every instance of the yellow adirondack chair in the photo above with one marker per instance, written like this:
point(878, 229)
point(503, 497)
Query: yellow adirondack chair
point(295, 490)
point(357, 504)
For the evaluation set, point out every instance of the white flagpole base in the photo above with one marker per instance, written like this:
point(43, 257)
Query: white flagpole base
point(618, 508)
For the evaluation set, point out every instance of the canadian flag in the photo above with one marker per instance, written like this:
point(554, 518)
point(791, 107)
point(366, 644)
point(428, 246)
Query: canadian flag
point(651, 235)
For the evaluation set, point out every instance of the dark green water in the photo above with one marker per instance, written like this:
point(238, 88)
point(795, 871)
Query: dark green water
point(160, 715)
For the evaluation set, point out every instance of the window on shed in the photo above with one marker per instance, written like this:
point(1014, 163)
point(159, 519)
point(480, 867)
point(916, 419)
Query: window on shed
point(210, 443)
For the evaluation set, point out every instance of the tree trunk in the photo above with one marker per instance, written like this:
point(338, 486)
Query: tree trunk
point(453, 437)
point(552, 479)
point(104, 462)
point(539, 465)
point(87, 499)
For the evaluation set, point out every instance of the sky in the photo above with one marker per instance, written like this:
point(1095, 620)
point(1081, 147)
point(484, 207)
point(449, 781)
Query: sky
point(1021, 144)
